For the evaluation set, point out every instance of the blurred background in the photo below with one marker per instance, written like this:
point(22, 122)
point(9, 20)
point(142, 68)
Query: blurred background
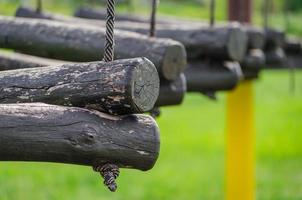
point(192, 160)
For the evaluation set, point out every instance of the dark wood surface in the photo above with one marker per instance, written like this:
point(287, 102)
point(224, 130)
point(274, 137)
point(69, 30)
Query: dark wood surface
point(48, 133)
point(118, 87)
point(75, 42)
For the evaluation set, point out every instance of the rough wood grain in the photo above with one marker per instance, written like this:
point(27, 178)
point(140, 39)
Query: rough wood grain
point(172, 92)
point(75, 42)
point(206, 77)
point(227, 42)
point(118, 87)
point(48, 133)
point(10, 61)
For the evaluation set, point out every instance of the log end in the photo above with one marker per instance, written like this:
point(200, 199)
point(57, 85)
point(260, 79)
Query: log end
point(174, 62)
point(237, 44)
point(145, 84)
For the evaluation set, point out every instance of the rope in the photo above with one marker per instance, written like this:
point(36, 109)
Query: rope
point(153, 18)
point(39, 6)
point(212, 12)
point(109, 46)
point(110, 173)
point(266, 10)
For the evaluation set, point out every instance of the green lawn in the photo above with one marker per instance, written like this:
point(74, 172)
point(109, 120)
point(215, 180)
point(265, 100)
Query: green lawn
point(191, 163)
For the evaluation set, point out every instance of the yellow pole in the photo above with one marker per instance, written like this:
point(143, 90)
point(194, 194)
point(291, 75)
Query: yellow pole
point(240, 158)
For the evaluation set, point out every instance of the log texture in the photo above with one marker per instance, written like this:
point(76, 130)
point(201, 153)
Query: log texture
point(207, 77)
point(48, 133)
point(172, 92)
point(10, 61)
point(118, 87)
point(227, 42)
point(75, 42)
point(256, 36)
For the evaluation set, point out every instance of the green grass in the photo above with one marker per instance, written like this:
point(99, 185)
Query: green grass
point(191, 163)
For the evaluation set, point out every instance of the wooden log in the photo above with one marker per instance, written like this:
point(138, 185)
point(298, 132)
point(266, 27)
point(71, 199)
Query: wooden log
point(227, 42)
point(172, 92)
point(10, 61)
point(118, 87)
point(73, 42)
point(256, 36)
point(211, 76)
point(294, 61)
point(275, 58)
point(49, 133)
point(255, 59)
point(293, 46)
point(274, 39)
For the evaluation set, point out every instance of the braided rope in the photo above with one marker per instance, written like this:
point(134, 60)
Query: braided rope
point(153, 18)
point(110, 173)
point(109, 46)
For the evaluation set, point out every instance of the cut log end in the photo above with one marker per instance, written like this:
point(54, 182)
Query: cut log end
point(174, 56)
point(237, 44)
point(145, 86)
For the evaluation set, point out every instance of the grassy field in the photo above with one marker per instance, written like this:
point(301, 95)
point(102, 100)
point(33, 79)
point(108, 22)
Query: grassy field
point(191, 163)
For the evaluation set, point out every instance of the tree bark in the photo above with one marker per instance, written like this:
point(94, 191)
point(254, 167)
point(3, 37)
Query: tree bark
point(48, 133)
point(172, 92)
point(228, 42)
point(118, 87)
point(75, 42)
point(11, 61)
point(210, 77)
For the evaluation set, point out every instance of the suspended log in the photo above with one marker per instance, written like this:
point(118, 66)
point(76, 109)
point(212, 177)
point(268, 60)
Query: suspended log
point(274, 39)
point(227, 42)
point(73, 42)
point(275, 58)
point(294, 60)
point(255, 59)
point(211, 76)
point(118, 87)
point(293, 46)
point(49, 133)
point(172, 92)
point(256, 36)
point(10, 61)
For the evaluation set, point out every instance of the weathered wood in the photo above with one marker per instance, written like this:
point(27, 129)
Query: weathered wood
point(275, 58)
point(293, 46)
point(255, 59)
point(228, 42)
point(118, 87)
point(48, 133)
point(10, 61)
point(250, 74)
point(73, 42)
point(205, 76)
point(274, 39)
point(172, 92)
point(256, 36)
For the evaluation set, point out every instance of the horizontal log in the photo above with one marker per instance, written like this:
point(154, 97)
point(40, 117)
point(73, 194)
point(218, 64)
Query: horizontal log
point(256, 36)
point(73, 42)
point(293, 46)
point(294, 61)
point(221, 43)
point(10, 61)
point(274, 39)
point(48, 133)
point(118, 87)
point(206, 77)
point(255, 59)
point(275, 58)
point(172, 92)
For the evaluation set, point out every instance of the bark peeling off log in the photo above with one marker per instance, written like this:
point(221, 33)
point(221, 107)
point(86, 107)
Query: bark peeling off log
point(10, 61)
point(75, 42)
point(209, 77)
point(48, 133)
point(118, 87)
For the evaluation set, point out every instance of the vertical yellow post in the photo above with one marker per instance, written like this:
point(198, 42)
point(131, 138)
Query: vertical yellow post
point(240, 166)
